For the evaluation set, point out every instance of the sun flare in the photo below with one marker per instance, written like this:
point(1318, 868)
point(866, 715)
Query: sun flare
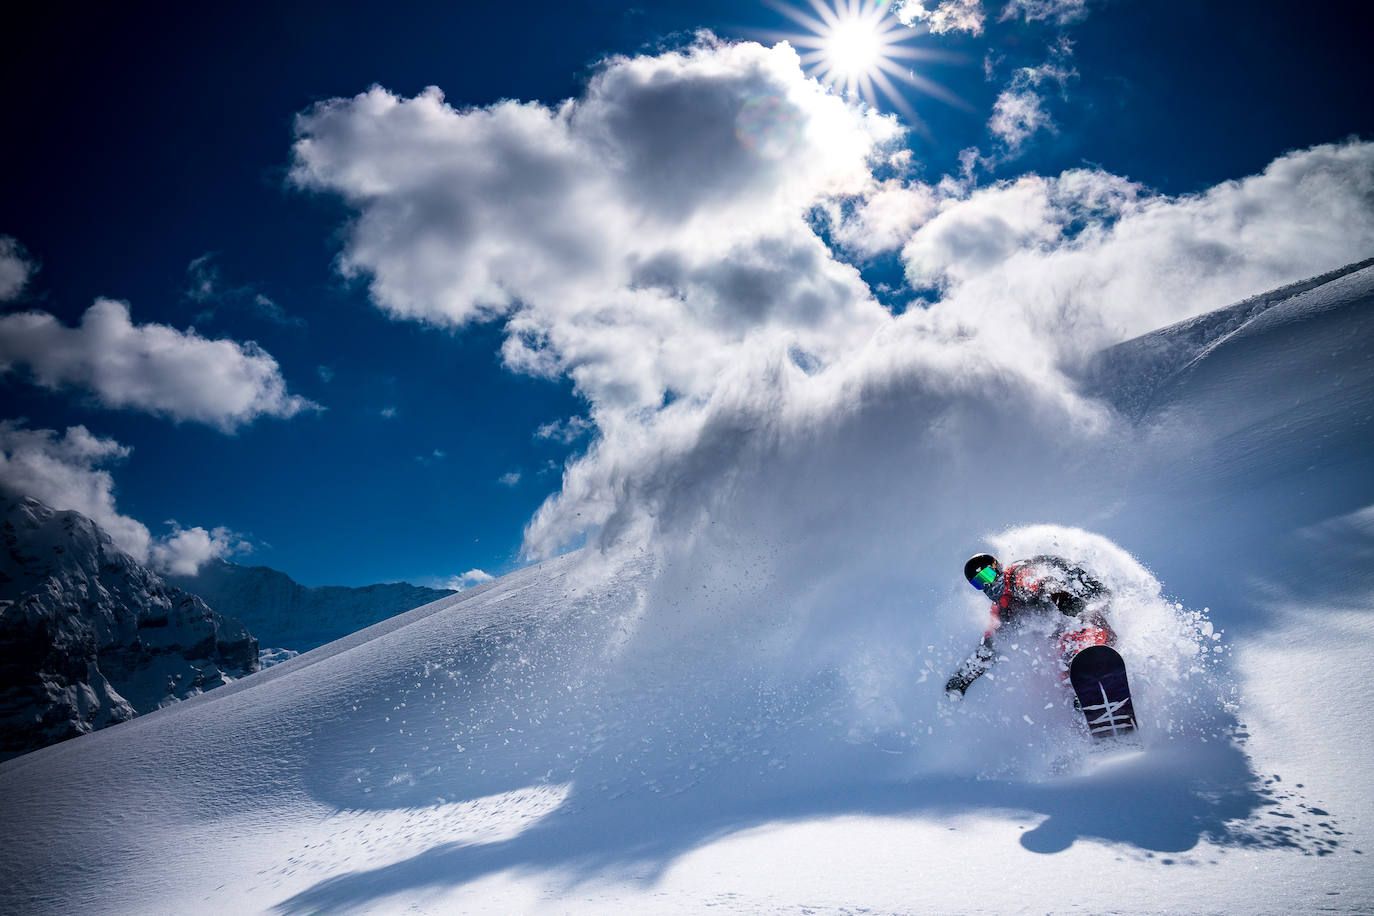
point(856, 45)
point(853, 48)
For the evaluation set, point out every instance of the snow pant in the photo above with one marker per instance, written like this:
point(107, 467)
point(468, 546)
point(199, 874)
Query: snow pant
point(1075, 641)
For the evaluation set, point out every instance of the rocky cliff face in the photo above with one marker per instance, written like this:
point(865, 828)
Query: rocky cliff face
point(285, 614)
point(89, 637)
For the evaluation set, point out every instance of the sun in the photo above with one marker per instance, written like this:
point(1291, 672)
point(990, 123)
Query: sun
point(855, 46)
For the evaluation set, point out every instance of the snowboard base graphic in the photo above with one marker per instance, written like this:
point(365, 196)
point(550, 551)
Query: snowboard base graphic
point(1098, 675)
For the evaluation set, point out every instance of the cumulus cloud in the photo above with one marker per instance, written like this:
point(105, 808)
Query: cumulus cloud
point(150, 367)
point(944, 16)
point(186, 550)
point(1060, 12)
point(466, 581)
point(1030, 273)
point(69, 471)
point(645, 241)
point(976, 234)
point(635, 238)
point(886, 217)
point(16, 266)
point(510, 478)
point(1091, 258)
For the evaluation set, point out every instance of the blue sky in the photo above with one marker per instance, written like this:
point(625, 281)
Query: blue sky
point(153, 160)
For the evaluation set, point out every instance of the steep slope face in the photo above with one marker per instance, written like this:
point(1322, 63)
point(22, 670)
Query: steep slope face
point(282, 613)
point(745, 721)
point(89, 637)
point(1258, 411)
point(1144, 374)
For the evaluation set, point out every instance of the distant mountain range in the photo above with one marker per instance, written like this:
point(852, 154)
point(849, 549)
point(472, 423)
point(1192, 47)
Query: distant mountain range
point(284, 614)
point(89, 637)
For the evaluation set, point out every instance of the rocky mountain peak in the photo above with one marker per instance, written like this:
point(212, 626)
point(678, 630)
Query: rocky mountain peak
point(90, 637)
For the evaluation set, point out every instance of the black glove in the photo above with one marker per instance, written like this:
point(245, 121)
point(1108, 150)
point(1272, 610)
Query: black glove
point(955, 687)
point(1069, 605)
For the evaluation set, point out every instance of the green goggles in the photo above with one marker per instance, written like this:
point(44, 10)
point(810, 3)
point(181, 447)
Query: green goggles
point(983, 578)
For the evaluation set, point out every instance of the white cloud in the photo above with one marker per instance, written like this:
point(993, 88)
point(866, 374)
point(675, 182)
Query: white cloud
point(1060, 12)
point(1019, 111)
point(388, 413)
point(1104, 257)
point(1016, 115)
point(971, 236)
point(945, 16)
point(510, 479)
point(16, 267)
point(634, 239)
point(69, 472)
point(642, 241)
point(1032, 271)
point(565, 431)
point(186, 550)
point(970, 160)
point(151, 367)
point(886, 217)
point(466, 581)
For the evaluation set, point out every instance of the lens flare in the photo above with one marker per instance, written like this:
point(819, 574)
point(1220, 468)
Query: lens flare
point(768, 126)
point(855, 46)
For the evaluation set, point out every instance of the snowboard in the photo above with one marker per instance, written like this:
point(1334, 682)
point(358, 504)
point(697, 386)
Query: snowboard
point(1098, 675)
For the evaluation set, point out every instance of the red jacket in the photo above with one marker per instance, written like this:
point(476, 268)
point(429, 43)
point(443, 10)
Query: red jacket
point(1044, 585)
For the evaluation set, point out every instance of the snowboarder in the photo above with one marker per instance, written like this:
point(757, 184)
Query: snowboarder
point(1046, 585)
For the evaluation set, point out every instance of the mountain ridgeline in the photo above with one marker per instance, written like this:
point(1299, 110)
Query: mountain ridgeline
point(282, 613)
point(90, 638)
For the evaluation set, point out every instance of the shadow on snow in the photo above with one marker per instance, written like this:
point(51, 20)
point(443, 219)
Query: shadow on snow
point(1174, 798)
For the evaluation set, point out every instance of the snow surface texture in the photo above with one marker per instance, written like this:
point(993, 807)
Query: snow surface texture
point(746, 711)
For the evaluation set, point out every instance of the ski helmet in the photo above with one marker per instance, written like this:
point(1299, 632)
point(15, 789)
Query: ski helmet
point(976, 570)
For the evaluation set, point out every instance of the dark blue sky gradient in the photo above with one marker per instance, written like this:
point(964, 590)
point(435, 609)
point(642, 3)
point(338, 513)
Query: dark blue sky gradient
point(144, 136)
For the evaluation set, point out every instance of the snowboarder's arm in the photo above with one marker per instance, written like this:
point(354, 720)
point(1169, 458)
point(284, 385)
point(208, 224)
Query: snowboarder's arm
point(973, 667)
point(1091, 586)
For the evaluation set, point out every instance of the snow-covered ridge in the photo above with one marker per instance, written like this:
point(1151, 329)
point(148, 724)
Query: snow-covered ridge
point(89, 637)
point(752, 719)
point(1133, 375)
point(281, 613)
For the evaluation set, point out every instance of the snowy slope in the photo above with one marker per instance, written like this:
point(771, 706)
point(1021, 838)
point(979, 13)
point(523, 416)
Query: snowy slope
point(1136, 376)
point(732, 721)
point(282, 613)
